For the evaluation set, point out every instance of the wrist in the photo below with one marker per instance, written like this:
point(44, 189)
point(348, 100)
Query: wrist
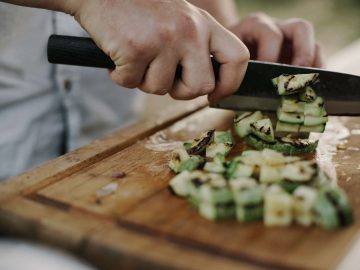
point(70, 7)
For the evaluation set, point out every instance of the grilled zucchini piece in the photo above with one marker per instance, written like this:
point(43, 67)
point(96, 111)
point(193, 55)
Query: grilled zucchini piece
point(263, 129)
point(181, 161)
point(278, 207)
point(317, 129)
point(290, 118)
point(286, 127)
point(290, 84)
point(243, 121)
point(301, 171)
point(199, 145)
point(222, 144)
point(308, 95)
point(332, 208)
point(215, 191)
point(217, 165)
point(292, 105)
point(270, 175)
point(310, 121)
point(217, 211)
point(180, 184)
point(304, 200)
point(286, 146)
point(237, 169)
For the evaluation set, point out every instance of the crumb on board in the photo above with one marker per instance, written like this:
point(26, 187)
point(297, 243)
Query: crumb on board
point(106, 191)
point(118, 174)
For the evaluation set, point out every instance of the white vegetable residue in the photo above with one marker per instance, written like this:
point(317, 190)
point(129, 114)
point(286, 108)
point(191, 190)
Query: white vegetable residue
point(160, 142)
point(106, 190)
point(335, 135)
point(355, 132)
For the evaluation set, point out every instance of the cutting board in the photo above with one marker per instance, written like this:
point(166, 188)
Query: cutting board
point(141, 225)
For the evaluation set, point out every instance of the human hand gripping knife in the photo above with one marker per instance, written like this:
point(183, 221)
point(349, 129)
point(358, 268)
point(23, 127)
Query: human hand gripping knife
point(341, 91)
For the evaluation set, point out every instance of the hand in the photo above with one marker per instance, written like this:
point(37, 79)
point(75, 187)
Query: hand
point(285, 41)
point(147, 39)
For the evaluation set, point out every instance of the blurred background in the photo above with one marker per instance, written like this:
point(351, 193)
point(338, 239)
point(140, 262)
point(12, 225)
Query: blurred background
point(337, 22)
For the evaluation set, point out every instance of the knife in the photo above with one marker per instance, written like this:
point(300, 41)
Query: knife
point(341, 91)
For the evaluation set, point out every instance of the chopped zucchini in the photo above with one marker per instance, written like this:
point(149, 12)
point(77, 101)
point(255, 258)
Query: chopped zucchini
point(287, 148)
point(263, 129)
point(242, 122)
point(215, 191)
point(236, 169)
point(197, 179)
point(199, 145)
point(317, 128)
point(308, 95)
point(301, 171)
point(278, 207)
point(285, 127)
point(290, 84)
point(332, 208)
point(292, 105)
point(289, 186)
point(222, 144)
point(249, 213)
point(313, 109)
point(290, 118)
point(304, 200)
point(270, 175)
point(181, 161)
point(315, 120)
point(217, 165)
point(217, 211)
point(180, 184)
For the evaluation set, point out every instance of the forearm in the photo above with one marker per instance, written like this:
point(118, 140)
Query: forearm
point(57, 5)
point(223, 10)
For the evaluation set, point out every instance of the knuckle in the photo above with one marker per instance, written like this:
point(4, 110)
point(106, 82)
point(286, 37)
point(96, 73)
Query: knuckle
point(154, 90)
point(188, 26)
point(126, 80)
point(302, 24)
point(136, 49)
point(166, 33)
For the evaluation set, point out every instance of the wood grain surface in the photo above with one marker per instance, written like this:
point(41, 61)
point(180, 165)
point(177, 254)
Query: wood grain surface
point(142, 226)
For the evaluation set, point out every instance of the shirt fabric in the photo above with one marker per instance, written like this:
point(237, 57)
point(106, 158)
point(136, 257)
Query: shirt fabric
point(48, 109)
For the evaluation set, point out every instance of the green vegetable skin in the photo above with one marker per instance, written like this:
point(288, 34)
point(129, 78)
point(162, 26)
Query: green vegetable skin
point(281, 147)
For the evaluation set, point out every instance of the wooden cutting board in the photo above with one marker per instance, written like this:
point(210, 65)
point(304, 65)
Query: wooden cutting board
point(142, 226)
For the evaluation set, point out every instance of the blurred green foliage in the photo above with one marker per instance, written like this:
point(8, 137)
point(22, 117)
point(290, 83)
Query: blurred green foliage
point(337, 22)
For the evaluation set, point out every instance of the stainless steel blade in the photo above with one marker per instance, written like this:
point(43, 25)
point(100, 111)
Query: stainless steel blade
point(340, 91)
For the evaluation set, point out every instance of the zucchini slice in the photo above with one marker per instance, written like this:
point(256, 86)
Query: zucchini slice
point(270, 175)
point(222, 144)
point(308, 95)
point(180, 183)
point(263, 129)
point(292, 105)
point(290, 118)
point(304, 200)
point(278, 207)
point(243, 121)
point(285, 127)
point(215, 191)
point(310, 121)
point(199, 145)
point(217, 211)
point(290, 84)
point(217, 165)
point(301, 171)
point(181, 161)
point(297, 147)
point(316, 129)
point(332, 208)
point(236, 169)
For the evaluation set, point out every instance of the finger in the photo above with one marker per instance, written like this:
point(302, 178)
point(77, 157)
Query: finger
point(301, 34)
point(269, 42)
point(319, 57)
point(129, 75)
point(160, 75)
point(197, 78)
point(233, 57)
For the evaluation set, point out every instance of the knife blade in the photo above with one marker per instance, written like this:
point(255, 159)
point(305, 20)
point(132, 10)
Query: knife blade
point(340, 91)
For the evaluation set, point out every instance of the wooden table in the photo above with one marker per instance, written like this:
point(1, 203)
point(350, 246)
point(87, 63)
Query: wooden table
point(142, 226)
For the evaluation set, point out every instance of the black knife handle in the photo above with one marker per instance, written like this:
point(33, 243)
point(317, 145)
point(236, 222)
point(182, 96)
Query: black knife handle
point(77, 51)
point(80, 51)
